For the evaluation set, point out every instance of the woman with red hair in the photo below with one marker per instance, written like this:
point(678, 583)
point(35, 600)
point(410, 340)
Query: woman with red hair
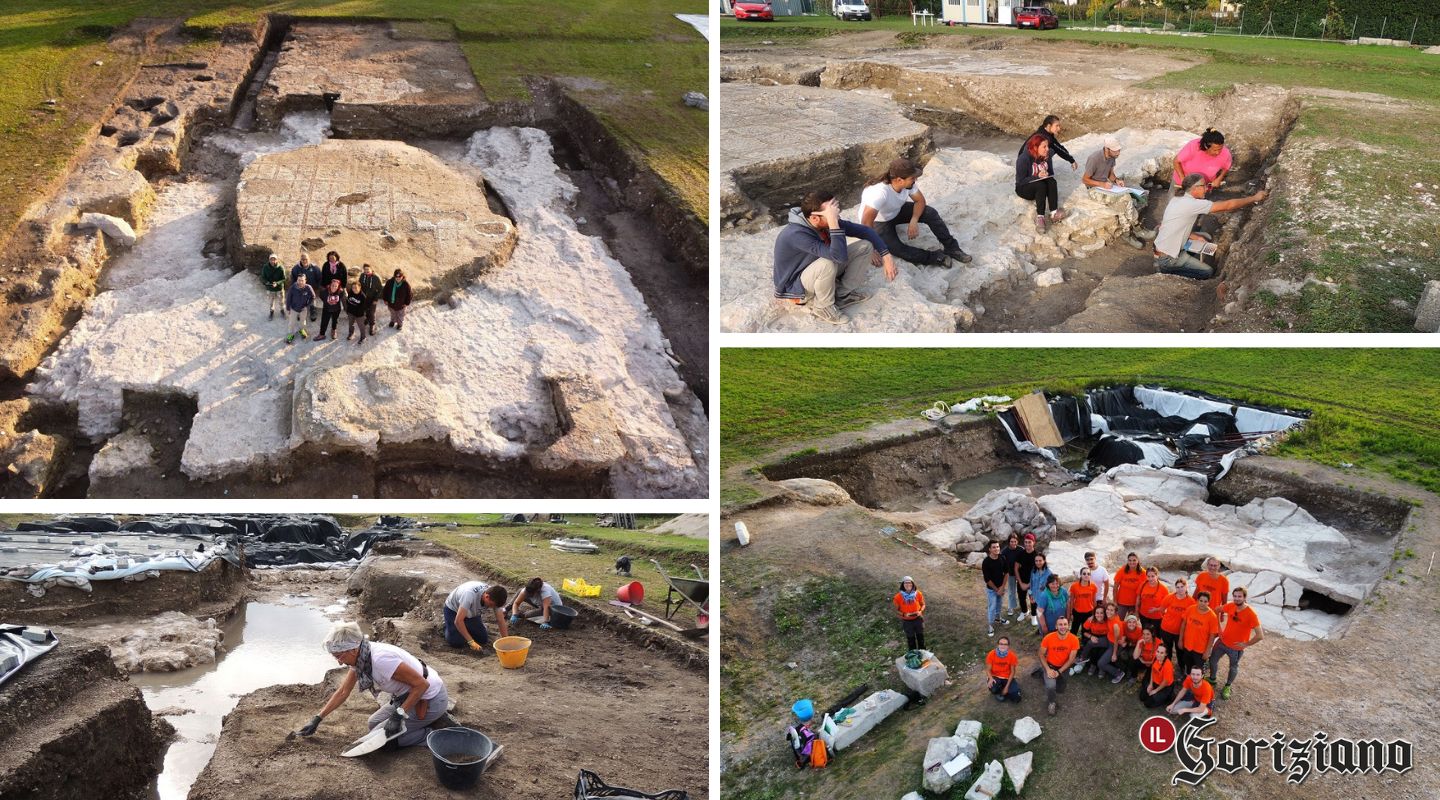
point(1035, 180)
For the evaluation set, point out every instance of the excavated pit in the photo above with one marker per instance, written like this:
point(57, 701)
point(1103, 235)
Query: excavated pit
point(549, 379)
point(961, 106)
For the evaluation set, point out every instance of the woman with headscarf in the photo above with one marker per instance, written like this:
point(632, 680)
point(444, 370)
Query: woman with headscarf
point(910, 602)
point(417, 695)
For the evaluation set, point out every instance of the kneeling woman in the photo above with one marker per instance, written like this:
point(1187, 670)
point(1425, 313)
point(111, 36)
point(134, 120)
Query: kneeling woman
point(418, 696)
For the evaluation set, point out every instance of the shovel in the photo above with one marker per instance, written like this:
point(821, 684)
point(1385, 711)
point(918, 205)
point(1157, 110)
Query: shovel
point(370, 742)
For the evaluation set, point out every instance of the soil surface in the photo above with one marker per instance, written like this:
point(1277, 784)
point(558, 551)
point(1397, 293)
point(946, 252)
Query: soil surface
point(1284, 685)
point(555, 715)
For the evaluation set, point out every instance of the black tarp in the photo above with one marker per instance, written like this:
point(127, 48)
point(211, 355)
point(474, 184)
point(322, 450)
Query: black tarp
point(1112, 451)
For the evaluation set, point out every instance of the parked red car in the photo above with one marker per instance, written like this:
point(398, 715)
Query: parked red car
point(1037, 17)
point(745, 9)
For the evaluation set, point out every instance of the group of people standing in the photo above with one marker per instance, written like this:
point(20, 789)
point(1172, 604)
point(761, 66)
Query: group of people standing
point(1127, 626)
point(327, 290)
point(817, 268)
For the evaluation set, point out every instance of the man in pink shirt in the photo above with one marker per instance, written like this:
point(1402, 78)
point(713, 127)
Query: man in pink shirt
point(1207, 156)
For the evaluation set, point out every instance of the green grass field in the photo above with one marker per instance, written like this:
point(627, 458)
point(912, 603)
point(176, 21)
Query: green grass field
point(642, 57)
point(1372, 408)
point(1395, 71)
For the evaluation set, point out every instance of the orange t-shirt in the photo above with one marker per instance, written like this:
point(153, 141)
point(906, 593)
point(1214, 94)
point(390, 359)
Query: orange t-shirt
point(1162, 673)
point(1175, 608)
point(1147, 651)
point(1153, 598)
point(1238, 624)
point(1127, 586)
point(1218, 587)
point(1204, 693)
point(1057, 650)
point(1124, 636)
point(910, 610)
point(1097, 628)
point(1199, 626)
point(1001, 667)
point(1083, 596)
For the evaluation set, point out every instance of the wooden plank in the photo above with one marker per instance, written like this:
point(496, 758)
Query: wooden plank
point(1034, 414)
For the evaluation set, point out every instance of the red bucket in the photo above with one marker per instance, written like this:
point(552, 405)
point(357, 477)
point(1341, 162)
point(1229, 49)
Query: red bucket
point(632, 592)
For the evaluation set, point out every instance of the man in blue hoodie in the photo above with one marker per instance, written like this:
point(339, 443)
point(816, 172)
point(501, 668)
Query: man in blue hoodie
point(811, 256)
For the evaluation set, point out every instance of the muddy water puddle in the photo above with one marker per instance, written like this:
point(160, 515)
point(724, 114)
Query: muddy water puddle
point(267, 644)
point(970, 490)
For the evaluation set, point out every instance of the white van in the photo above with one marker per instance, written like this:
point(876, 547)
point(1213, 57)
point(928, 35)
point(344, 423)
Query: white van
point(852, 9)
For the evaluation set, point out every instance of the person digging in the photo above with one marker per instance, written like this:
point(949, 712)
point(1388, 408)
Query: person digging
point(463, 626)
point(540, 597)
point(1177, 240)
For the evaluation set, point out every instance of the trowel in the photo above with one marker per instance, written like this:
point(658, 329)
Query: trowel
point(370, 742)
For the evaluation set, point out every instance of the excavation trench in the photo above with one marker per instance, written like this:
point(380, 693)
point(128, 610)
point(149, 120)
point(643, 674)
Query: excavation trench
point(567, 358)
point(965, 120)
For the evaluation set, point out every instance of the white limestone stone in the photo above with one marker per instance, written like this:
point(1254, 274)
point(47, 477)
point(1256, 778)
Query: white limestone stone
point(1018, 768)
point(989, 784)
point(1026, 729)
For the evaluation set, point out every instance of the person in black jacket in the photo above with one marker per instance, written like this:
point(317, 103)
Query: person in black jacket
point(370, 284)
point(334, 270)
point(1050, 129)
point(396, 294)
point(358, 306)
point(332, 300)
point(1035, 180)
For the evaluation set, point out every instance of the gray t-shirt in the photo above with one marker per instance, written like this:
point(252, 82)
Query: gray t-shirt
point(467, 595)
point(1179, 220)
point(546, 590)
point(1098, 168)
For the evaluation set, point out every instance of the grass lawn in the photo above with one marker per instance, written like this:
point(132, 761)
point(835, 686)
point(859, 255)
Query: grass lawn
point(642, 58)
point(1372, 408)
point(520, 552)
point(1395, 71)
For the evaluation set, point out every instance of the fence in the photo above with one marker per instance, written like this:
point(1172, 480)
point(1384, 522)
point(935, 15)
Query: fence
point(1415, 30)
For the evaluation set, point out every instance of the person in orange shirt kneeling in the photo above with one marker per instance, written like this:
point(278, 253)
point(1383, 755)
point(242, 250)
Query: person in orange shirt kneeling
point(1194, 697)
point(1003, 662)
point(1239, 629)
point(910, 602)
point(1160, 690)
point(1057, 654)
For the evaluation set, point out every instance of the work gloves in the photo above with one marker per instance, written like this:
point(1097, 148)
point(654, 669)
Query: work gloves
point(476, 646)
point(514, 618)
point(395, 723)
point(309, 730)
point(544, 626)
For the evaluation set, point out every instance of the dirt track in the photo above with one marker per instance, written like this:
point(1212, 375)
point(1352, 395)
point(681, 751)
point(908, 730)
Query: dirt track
point(584, 699)
point(1346, 687)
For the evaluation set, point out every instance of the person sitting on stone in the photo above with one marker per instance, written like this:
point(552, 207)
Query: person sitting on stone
point(396, 294)
point(1100, 174)
point(1035, 180)
point(272, 277)
point(540, 597)
point(1177, 227)
point(816, 267)
point(892, 199)
point(1208, 156)
point(463, 626)
point(298, 300)
point(312, 279)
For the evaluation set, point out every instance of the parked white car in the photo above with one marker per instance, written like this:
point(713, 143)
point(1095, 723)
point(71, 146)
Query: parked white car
point(852, 9)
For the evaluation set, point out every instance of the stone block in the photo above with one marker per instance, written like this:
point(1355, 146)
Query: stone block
point(926, 680)
point(1018, 768)
point(1427, 313)
point(868, 713)
point(989, 784)
point(969, 729)
point(944, 764)
point(1026, 729)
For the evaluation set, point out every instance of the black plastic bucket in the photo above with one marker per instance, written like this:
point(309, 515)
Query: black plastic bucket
point(562, 616)
point(460, 755)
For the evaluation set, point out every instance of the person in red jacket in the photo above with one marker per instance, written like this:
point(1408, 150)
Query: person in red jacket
point(910, 602)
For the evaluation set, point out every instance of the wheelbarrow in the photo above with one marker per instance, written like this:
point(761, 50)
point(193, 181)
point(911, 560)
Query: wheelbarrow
point(686, 591)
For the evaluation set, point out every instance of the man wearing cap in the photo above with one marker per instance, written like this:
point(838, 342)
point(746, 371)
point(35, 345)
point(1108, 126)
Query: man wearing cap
point(816, 267)
point(272, 276)
point(1100, 174)
point(1178, 225)
point(891, 199)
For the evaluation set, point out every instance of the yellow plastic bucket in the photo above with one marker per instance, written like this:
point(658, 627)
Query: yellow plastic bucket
point(512, 650)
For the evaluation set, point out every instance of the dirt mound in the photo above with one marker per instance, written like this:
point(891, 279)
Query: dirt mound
point(220, 583)
point(696, 525)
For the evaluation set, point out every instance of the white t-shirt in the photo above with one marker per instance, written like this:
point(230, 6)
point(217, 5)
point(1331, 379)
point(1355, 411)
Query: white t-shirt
point(1179, 220)
point(468, 595)
point(886, 201)
point(386, 658)
point(1099, 577)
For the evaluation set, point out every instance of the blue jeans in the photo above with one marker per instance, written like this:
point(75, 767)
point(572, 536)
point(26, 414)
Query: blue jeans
point(1184, 265)
point(472, 624)
point(997, 686)
point(992, 605)
point(1014, 594)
